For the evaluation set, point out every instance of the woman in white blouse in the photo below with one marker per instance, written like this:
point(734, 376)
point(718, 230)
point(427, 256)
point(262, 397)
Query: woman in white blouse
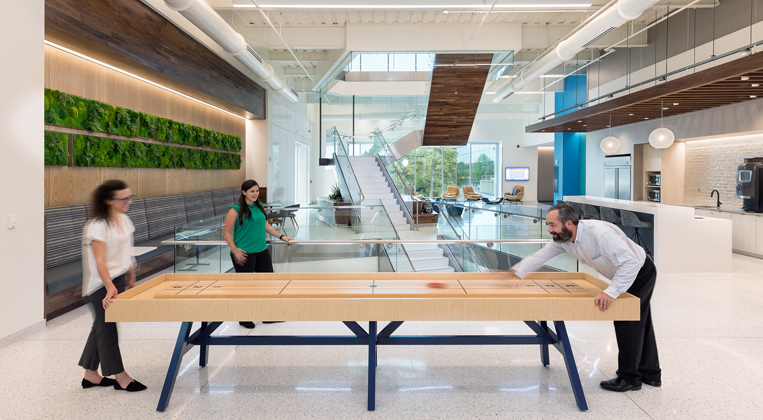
point(108, 264)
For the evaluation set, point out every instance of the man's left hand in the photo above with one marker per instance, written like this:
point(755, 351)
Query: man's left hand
point(603, 301)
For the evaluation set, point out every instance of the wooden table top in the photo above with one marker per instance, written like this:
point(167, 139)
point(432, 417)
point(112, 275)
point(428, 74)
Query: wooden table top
point(367, 297)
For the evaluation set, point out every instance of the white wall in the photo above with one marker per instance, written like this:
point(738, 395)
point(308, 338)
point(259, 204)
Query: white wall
point(22, 261)
point(257, 151)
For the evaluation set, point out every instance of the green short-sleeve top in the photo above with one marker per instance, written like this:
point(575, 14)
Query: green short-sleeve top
point(250, 236)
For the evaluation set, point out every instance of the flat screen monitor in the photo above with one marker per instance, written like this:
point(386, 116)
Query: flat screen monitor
point(517, 174)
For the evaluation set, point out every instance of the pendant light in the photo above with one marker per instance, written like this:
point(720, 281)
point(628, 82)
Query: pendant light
point(662, 137)
point(610, 144)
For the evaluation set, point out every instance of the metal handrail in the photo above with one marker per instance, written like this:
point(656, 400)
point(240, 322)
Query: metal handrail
point(388, 242)
point(442, 212)
point(362, 196)
point(391, 157)
point(395, 191)
point(400, 121)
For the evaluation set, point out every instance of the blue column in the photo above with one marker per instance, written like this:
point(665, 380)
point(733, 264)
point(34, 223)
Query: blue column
point(569, 148)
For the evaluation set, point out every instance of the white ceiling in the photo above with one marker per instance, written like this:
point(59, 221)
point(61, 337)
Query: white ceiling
point(343, 17)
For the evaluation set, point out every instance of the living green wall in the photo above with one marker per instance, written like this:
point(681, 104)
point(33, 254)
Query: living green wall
point(71, 111)
point(56, 149)
point(103, 152)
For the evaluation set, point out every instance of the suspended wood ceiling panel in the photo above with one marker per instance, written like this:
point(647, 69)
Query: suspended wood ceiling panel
point(132, 36)
point(457, 84)
point(715, 87)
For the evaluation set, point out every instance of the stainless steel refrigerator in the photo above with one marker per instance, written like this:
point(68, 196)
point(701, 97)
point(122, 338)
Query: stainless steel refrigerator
point(617, 177)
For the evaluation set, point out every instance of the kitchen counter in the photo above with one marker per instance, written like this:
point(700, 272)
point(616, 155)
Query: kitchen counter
point(722, 209)
point(683, 242)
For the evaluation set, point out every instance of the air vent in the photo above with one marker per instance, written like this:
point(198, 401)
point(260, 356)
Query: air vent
point(251, 51)
point(603, 34)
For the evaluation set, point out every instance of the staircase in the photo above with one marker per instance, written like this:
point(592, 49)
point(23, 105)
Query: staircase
point(424, 257)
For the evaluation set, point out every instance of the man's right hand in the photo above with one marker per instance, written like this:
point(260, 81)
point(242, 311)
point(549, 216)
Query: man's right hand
point(240, 256)
point(514, 280)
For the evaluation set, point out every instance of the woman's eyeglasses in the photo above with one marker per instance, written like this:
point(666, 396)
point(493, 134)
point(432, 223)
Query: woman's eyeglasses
point(125, 200)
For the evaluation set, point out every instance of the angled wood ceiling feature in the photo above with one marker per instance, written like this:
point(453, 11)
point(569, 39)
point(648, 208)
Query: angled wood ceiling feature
point(715, 87)
point(457, 84)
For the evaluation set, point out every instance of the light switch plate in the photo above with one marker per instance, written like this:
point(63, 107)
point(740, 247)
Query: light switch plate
point(12, 220)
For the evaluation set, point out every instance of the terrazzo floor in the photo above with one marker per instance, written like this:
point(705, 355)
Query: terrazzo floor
point(709, 328)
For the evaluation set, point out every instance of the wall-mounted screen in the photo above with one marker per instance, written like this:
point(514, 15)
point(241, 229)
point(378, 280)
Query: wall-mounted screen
point(517, 174)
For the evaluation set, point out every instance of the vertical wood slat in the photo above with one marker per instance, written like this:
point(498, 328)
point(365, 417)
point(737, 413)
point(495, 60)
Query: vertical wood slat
point(73, 185)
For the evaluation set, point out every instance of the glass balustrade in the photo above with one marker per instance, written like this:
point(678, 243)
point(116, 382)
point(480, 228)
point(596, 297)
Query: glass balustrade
point(303, 223)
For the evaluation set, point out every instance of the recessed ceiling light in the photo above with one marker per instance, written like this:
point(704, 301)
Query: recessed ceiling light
point(445, 12)
point(675, 103)
point(755, 85)
point(753, 96)
point(580, 121)
point(665, 108)
point(630, 115)
point(646, 118)
point(745, 78)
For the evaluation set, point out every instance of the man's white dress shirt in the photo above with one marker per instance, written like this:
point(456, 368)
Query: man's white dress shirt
point(601, 245)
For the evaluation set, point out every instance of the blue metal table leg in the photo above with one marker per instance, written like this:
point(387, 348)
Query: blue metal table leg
point(172, 372)
point(203, 350)
point(569, 360)
point(371, 365)
point(544, 347)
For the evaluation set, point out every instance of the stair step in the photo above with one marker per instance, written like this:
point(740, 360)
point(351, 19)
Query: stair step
point(420, 247)
point(438, 270)
point(430, 264)
point(379, 196)
point(425, 254)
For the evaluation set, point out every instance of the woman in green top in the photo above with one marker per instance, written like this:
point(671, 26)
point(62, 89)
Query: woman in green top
point(244, 231)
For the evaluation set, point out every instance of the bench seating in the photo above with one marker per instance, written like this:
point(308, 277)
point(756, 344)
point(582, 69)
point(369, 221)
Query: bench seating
point(155, 219)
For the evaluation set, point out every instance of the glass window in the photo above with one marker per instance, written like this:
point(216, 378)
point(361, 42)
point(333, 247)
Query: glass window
point(402, 62)
point(424, 62)
point(374, 62)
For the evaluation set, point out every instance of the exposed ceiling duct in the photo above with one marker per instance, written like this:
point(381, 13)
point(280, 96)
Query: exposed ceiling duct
point(206, 19)
point(614, 17)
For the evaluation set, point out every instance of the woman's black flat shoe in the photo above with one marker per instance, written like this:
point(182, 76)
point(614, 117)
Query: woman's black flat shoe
point(104, 382)
point(134, 386)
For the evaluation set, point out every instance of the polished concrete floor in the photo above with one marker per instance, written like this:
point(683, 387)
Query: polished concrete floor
point(709, 328)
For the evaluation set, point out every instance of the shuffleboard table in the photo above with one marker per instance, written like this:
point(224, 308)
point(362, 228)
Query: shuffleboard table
point(212, 299)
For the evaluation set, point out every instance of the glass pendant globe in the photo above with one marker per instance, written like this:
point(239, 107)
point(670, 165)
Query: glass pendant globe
point(661, 138)
point(610, 144)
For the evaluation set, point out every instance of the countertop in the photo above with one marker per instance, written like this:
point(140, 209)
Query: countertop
point(721, 209)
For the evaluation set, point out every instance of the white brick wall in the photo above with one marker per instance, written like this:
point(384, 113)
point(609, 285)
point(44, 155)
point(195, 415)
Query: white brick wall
point(711, 165)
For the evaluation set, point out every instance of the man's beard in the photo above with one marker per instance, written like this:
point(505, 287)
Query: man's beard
point(562, 237)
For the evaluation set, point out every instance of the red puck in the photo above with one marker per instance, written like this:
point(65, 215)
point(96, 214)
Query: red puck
point(436, 284)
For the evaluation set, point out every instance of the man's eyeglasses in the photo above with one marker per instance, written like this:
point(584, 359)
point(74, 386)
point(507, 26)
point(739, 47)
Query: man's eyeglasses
point(125, 200)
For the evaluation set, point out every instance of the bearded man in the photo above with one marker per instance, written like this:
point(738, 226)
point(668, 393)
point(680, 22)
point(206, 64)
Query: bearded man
point(603, 246)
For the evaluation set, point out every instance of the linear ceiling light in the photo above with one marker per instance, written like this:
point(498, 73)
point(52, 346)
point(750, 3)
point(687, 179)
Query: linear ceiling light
point(518, 93)
point(135, 76)
point(414, 6)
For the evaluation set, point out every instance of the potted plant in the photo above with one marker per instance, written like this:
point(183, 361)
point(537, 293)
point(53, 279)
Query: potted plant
point(336, 194)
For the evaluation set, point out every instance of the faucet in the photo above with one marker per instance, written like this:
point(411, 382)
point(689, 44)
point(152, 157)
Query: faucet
point(718, 197)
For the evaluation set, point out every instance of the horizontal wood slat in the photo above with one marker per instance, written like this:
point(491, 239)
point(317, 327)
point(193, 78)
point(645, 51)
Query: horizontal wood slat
point(129, 33)
point(711, 88)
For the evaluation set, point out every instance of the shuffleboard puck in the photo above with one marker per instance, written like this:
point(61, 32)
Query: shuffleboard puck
point(436, 284)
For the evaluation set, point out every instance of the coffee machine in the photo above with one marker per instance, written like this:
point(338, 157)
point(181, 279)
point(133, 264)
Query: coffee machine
point(750, 184)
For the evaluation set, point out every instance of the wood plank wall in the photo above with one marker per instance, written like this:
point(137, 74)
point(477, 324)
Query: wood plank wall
point(74, 75)
point(134, 31)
